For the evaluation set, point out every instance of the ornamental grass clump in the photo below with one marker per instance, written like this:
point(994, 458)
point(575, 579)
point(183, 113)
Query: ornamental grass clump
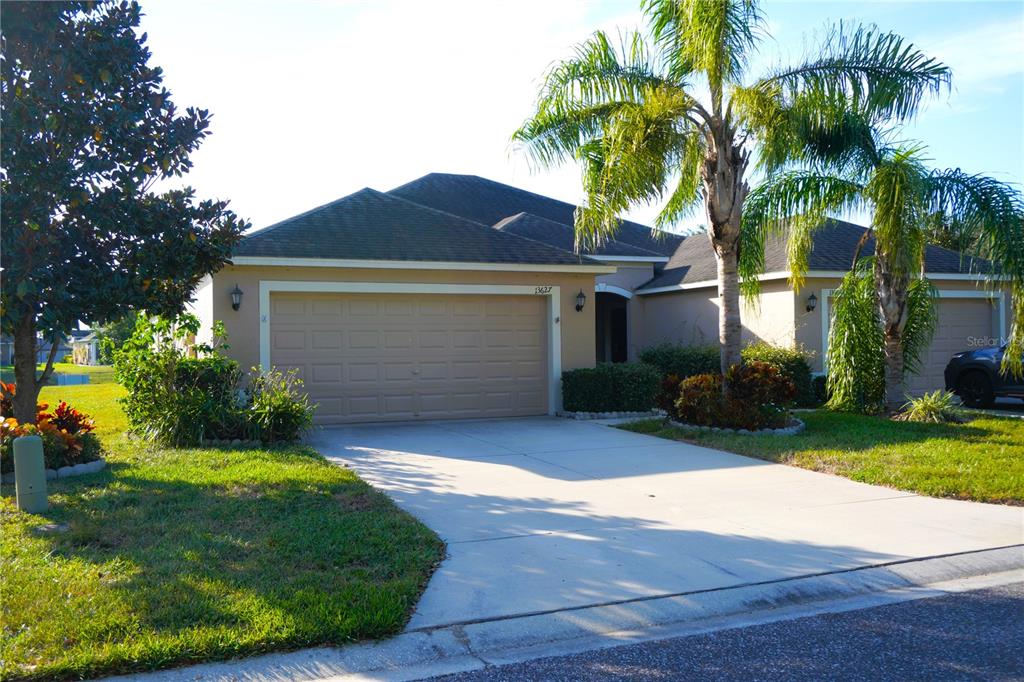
point(931, 408)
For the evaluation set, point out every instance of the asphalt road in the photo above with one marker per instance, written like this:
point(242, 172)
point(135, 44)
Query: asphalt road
point(969, 636)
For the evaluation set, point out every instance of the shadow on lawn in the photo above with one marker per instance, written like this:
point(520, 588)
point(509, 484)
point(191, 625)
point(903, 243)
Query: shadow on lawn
point(270, 558)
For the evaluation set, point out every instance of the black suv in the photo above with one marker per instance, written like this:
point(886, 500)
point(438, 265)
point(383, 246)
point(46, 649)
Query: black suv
point(974, 376)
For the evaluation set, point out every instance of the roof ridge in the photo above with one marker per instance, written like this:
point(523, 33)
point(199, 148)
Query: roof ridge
point(281, 223)
point(526, 191)
point(506, 222)
point(582, 258)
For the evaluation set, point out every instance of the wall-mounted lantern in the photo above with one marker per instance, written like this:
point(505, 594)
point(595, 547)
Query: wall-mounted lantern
point(812, 303)
point(581, 300)
point(236, 298)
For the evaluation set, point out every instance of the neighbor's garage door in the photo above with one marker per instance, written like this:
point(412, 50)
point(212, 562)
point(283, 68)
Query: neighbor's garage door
point(959, 319)
point(373, 357)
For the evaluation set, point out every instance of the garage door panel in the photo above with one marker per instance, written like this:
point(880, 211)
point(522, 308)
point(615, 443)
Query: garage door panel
point(958, 320)
point(368, 357)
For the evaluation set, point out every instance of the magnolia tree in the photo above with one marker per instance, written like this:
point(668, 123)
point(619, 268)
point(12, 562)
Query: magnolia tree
point(88, 130)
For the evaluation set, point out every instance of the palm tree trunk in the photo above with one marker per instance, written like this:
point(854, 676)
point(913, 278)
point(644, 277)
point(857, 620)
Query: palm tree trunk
point(724, 192)
point(730, 329)
point(892, 290)
point(893, 373)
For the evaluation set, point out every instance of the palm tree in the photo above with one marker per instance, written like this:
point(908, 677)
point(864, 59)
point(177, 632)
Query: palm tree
point(884, 308)
point(674, 116)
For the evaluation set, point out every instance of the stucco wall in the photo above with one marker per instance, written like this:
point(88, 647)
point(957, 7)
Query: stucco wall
point(809, 325)
point(691, 316)
point(629, 275)
point(577, 328)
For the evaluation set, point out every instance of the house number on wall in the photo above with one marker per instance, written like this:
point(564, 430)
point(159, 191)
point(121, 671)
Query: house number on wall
point(542, 290)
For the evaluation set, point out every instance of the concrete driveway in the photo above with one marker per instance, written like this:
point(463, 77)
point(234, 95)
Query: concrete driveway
point(544, 514)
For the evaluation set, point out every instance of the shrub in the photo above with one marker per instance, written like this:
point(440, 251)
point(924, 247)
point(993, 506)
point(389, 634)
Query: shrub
point(668, 393)
point(793, 363)
point(931, 408)
point(172, 398)
point(760, 398)
point(821, 395)
point(677, 362)
point(611, 387)
point(66, 434)
point(279, 411)
point(178, 399)
point(683, 361)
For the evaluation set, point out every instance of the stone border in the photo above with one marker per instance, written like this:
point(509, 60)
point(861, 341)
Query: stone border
point(608, 415)
point(68, 471)
point(790, 430)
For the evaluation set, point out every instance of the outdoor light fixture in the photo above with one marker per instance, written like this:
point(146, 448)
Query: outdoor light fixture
point(812, 303)
point(581, 298)
point(236, 298)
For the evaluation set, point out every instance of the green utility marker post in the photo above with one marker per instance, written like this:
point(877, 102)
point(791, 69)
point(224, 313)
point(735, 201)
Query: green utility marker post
point(30, 474)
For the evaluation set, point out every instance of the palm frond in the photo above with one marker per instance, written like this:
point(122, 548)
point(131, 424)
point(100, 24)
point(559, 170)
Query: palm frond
point(633, 161)
point(855, 365)
point(989, 215)
point(896, 194)
point(922, 316)
point(800, 133)
point(794, 203)
point(714, 37)
point(580, 93)
point(687, 193)
point(878, 74)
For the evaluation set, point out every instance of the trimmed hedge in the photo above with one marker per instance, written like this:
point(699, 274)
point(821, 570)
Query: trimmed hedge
point(793, 363)
point(611, 387)
point(683, 361)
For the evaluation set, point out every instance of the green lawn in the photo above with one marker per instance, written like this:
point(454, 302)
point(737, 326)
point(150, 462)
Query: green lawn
point(98, 374)
point(980, 460)
point(179, 556)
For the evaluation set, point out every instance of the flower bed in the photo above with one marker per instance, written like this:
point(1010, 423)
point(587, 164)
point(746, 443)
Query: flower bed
point(67, 436)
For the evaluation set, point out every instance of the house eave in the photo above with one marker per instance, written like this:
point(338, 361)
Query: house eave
point(277, 261)
point(833, 274)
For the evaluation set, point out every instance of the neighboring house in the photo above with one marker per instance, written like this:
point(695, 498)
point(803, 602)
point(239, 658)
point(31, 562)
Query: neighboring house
point(42, 350)
point(454, 296)
point(85, 347)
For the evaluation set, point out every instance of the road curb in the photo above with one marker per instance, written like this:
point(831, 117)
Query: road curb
point(472, 645)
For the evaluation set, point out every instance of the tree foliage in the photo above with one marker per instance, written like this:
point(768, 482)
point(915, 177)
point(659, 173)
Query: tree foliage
point(908, 202)
point(88, 131)
point(634, 114)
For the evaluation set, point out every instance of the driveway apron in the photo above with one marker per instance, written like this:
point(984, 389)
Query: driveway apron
point(545, 514)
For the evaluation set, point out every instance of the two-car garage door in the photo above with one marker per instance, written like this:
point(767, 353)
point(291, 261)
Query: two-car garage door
point(377, 357)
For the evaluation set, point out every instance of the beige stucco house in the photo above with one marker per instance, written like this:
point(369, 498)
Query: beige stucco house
point(456, 297)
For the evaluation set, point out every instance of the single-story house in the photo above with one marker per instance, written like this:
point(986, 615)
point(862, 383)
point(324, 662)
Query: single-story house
point(85, 347)
point(42, 350)
point(454, 296)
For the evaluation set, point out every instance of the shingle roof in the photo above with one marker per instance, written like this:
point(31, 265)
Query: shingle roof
point(371, 225)
point(833, 249)
point(564, 237)
point(489, 202)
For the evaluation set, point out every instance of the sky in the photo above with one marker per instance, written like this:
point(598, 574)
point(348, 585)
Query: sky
point(315, 99)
